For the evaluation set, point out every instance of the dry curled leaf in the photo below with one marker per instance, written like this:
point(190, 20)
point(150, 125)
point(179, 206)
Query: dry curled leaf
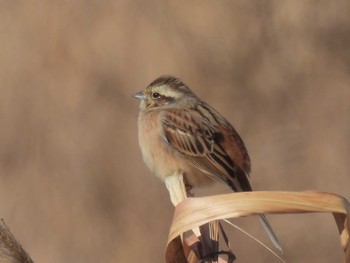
point(194, 212)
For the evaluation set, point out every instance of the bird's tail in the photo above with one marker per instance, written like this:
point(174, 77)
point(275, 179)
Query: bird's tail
point(270, 232)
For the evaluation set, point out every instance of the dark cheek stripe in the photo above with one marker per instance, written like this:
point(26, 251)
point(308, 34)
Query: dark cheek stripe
point(162, 101)
point(167, 99)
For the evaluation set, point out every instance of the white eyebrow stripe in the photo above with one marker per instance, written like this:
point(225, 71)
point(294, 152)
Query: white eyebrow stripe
point(166, 91)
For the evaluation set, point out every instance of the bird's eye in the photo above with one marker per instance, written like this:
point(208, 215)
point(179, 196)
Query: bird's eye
point(156, 95)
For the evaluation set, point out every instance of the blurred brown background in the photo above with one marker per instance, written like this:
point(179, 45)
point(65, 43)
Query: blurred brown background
point(73, 187)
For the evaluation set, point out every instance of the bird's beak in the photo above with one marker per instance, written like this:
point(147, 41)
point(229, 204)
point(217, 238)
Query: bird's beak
point(140, 95)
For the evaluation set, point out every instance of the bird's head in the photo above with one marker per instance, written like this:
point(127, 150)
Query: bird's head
point(165, 92)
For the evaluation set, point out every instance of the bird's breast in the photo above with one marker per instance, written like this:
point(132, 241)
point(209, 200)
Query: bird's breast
point(159, 157)
point(156, 154)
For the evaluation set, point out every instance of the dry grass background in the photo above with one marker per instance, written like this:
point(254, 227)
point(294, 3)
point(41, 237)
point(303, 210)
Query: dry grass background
point(73, 187)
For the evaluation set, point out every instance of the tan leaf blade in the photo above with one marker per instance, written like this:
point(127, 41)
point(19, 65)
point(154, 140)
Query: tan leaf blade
point(194, 212)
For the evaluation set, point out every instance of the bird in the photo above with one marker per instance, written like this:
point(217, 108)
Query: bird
point(180, 133)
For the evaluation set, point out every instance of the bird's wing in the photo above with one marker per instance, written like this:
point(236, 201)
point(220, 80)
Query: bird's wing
point(198, 140)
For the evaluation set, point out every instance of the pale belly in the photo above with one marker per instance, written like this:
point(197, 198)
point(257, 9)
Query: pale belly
point(160, 158)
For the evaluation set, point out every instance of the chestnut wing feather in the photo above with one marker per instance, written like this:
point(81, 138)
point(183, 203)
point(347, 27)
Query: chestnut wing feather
point(198, 140)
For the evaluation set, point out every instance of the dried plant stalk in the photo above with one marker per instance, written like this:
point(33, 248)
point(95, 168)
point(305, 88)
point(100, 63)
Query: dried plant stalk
point(204, 242)
point(10, 250)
